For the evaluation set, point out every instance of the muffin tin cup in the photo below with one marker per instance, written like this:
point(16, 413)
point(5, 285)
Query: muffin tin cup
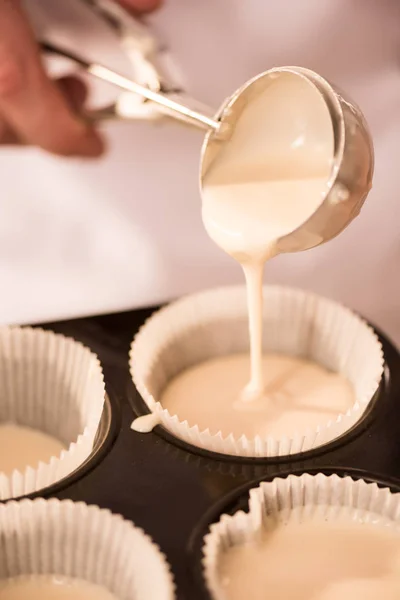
point(77, 541)
point(297, 499)
point(55, 385)
point(215, 323)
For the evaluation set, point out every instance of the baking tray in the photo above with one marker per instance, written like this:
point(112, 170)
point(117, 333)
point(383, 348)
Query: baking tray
point(168, 488)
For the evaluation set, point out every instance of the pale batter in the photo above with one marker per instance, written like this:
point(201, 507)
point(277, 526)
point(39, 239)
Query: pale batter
point(22, 447)
point(52, 588)
point(298, 395)
point(362, 589)
point(315, 560)
point(266, 182)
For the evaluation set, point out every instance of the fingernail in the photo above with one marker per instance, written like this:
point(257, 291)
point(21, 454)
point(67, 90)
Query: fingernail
point(141, 6)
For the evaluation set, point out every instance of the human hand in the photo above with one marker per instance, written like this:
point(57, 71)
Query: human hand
point(34, 110)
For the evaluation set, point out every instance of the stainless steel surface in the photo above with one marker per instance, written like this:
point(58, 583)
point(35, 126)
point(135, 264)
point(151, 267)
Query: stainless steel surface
point(149, 58)
point(153, 90)
point(100, 440)
point(170, 106)
point(352, 164)
point(104, 428)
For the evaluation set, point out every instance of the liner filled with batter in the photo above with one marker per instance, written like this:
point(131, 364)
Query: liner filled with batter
point(64, 549)
point(307, 538)
point(190, 362)
point(51, 400)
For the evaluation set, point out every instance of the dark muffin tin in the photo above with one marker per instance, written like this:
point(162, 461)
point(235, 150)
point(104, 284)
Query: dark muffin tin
point(174, 491)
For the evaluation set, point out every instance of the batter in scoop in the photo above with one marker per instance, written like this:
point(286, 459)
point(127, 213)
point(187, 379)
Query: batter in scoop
point(298, 395)
point(52, 588)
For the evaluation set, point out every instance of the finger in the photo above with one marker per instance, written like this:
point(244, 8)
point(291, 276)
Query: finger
point(29, 102)
point(141, 6)
point(8, 137)
point(75, 93)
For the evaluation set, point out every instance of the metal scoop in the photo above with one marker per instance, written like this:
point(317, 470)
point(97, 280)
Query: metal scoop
point(352, 162)
point(163, 100)
point(352, 166)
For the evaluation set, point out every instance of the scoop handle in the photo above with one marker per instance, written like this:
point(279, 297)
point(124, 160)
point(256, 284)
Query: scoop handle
point(171, 107)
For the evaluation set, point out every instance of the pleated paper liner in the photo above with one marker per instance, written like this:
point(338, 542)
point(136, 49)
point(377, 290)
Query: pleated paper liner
point(55, 385)
point(298, 499)
point(77, 541)
point(215, 323)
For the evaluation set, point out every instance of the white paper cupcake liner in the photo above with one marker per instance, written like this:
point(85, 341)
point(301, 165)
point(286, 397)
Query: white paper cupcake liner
point(297, 498)
point(215, 323)
point(53, 384)
point(74, 540)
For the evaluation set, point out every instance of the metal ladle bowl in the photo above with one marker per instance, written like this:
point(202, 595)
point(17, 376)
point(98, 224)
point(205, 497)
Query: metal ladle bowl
point(352, 165)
